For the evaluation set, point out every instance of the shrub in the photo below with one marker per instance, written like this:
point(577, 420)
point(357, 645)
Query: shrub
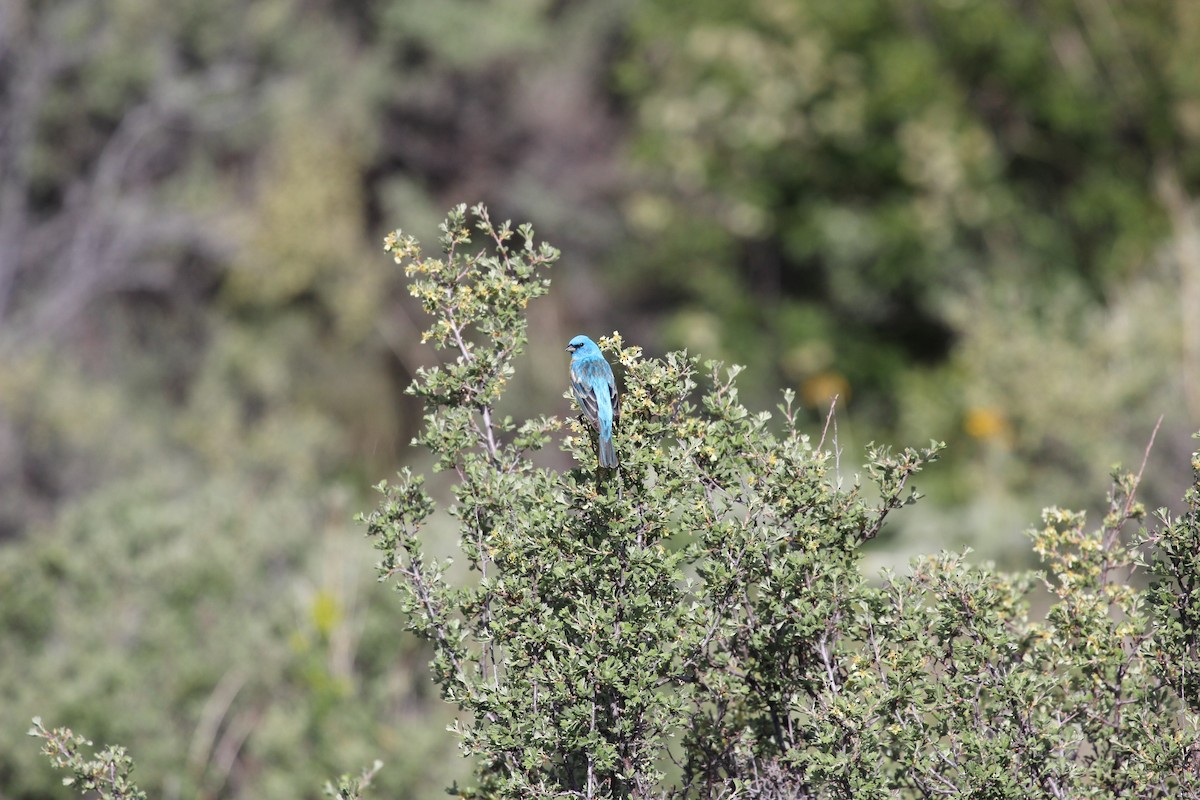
point(697, 624)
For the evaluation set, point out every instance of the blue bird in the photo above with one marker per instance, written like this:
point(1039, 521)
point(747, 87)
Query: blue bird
point(596, 392)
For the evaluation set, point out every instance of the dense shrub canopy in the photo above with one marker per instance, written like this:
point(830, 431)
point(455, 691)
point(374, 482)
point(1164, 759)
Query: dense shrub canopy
point(698, 624)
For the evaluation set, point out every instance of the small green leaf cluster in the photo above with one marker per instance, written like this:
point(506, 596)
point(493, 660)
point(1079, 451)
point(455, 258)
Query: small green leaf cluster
point(108, 774)
point(352, 787)
point(697, 622)
point(478, 300)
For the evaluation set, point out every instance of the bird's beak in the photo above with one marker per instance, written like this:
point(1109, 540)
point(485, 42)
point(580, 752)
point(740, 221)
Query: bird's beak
point(568, 348)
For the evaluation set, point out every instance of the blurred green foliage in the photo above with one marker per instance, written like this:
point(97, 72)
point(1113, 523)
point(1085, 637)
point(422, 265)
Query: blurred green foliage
point(877, 156)
point(215, 608)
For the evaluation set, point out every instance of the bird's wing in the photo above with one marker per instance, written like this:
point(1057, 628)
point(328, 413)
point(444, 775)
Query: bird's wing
point(606, 380)
point(587, 377)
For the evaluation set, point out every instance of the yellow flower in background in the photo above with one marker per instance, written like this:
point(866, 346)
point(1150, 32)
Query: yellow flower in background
point(325, 612)
point(820, 389)
point(984, 422)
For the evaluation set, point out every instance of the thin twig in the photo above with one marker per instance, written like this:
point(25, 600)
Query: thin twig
point(828, 419)
point(1145, 457)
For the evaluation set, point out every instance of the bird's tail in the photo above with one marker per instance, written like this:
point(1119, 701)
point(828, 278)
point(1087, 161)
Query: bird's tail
point(608, 453)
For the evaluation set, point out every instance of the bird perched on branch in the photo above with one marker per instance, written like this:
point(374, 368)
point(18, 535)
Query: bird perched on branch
point(596, 392)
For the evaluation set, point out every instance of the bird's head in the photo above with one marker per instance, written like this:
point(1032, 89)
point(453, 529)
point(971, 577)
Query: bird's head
point(582, 344)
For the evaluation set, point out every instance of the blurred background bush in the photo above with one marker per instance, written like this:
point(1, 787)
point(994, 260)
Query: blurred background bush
point(974, 222)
